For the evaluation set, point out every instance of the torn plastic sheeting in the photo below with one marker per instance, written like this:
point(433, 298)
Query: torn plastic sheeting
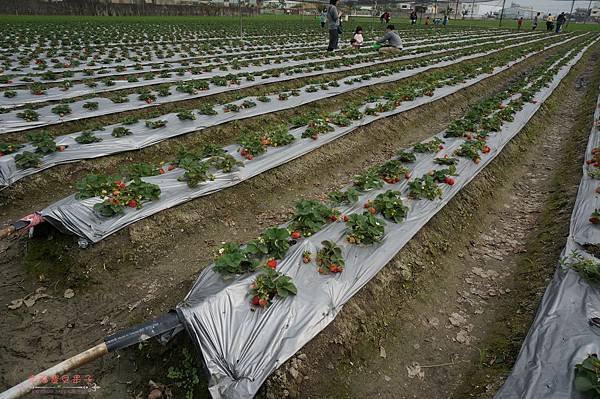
point(11, 123)
point(24, 97)
point(561, 336)
point(142, 136)
point(582, 231)
point(156, 66)
point(241, 348)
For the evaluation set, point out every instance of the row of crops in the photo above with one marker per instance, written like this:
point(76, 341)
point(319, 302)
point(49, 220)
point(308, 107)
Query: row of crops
point(282, 288)
point(560, 354)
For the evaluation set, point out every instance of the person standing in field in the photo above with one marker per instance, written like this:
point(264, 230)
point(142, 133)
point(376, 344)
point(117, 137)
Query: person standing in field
point(445, 21)
point(323, 18)
point(413, 17)
point(560, 21)
point(519, 23)
point(333, 22)
point(535, 21)
point(391, 41)
point(549, 23)
point(427, 20)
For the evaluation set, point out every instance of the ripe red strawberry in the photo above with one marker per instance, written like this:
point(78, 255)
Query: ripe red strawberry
point(262, 302)
point(255, 300)
point(272, 263)
point(296, 235)
point(132, 204)
point(407, 175)
point(366, 205)
point(449, 181)
point(243, 152)
point(161, 171)
point(321, 270)
point(486, 149)
point(305, 259)
point(170, 168)
point(441, 147)
point(372, 210)
point(594, 220)
point(61, 148)
point(346, 218)
point(250, 157)
point(334, 218)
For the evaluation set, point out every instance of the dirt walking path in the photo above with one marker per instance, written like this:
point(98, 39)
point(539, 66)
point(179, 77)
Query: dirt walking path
point(448, 318)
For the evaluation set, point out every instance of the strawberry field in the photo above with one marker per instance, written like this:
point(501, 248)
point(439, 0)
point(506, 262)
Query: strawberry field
point(229, 195)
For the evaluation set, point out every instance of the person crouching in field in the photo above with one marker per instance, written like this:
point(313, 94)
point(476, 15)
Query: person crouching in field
point(357, 40)
point(391, 41)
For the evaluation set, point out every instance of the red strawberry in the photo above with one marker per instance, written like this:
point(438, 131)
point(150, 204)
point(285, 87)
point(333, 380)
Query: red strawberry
point(305, 259)
point(262, 302)
point(486, 149)
point(250, 157)
point(372, 210)
point(272, 263)
point(346, 218)
point(334, 218)
point(407, 175)
point(441, 147)
point(295, 235)
point(594, 220)
point(449, 181)
point(170, 168)
point(255, 300)
point(366, 205)
point(132, 204)
point(161, 171)
point(321, 270)
point(243, 152)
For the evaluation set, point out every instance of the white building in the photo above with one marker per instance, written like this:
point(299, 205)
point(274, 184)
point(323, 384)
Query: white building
point(516, 11)
point(480, 10)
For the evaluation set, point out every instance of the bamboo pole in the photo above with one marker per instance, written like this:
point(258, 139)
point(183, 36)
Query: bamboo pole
point(61, 368)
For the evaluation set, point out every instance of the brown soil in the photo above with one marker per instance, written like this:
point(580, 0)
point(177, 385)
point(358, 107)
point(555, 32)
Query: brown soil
point(146, 269)
point(447, 317)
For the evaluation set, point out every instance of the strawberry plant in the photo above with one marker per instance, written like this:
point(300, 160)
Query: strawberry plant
point(405, 156)
point(195, 172)
point(10, 93)
point(470, 149)
point(233, 259)
point(94, 185)
point(29, 115)
point(364, 229)
point(279, 135)
point(28, 159)
point(248, 104)
point(226, 162)
point(207, 109)
point(164, 90)
point(390, 205)
point(344, 197)
point(446, 160)
point(156, 124)
point(317, 126)
point(340, 119)
point(9, 148)
point(587, 376)
point(147, 96)
point(263, 99)
point(119, 99)
point(595, 217)
point(270, 284)
point(251, 143)
point(130, 196)
point(43, 142)
point(120, 131)
point(272, 243)
point(588, 269)
point(311, 216)
point(134, 170)
point(433, 145)
point(186, 115)
point(91, 105)
point(231, 108)
point(87, 137)
point(329, 258)
point(444, 175)
point(368, 180)
point(424, 187)
point(283, 96)
point(392, 171)
point(61, 110)
point(352, 112)
point(37, 89)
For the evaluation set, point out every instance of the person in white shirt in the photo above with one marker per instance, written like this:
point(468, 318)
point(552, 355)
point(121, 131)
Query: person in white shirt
point(357, 40)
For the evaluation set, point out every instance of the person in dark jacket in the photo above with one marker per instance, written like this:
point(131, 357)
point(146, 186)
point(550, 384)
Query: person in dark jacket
point(333, 23)
point(560, 21)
